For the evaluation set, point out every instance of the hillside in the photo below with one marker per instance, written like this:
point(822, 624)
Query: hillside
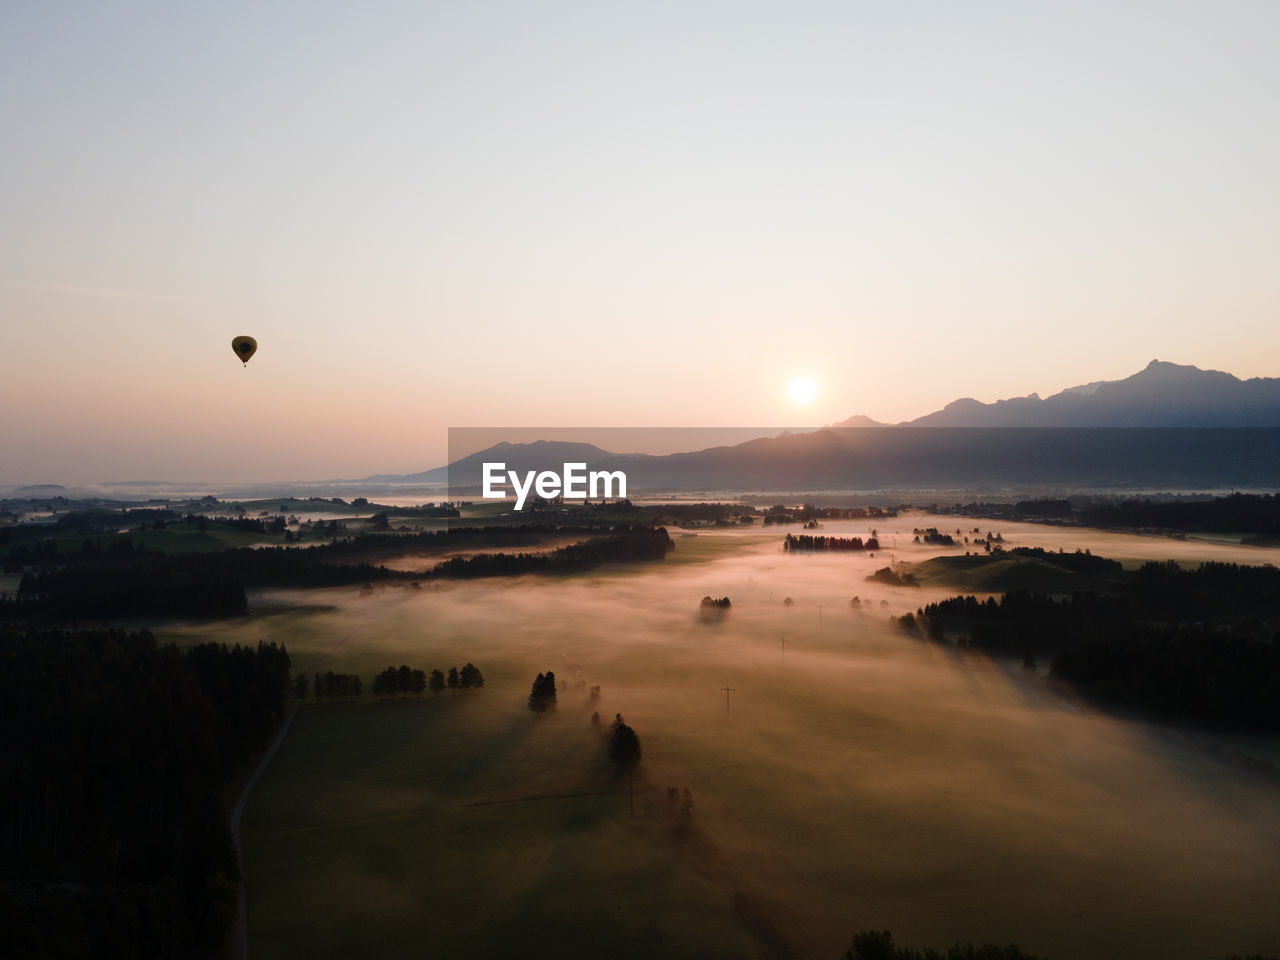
point(1003, 571)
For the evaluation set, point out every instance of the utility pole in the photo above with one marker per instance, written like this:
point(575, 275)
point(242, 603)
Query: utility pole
point(783, 641)
point(727, 691)
point(819, 613)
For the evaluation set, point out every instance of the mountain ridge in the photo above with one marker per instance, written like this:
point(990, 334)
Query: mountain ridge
point(1162, 394)
point(1148, 428)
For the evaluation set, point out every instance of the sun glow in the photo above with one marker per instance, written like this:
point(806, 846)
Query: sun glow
point(802, 390)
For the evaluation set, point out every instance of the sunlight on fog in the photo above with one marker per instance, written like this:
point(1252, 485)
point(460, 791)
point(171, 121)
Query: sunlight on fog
point(859, 777)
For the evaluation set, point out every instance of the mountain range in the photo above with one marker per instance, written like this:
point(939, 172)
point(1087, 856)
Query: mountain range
point(1160, 395)
point(1147, 430)
point(988, 458)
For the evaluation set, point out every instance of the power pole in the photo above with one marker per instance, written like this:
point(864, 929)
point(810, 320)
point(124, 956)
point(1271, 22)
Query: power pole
point(819, 613)
point(727, 691)
point(783, 641)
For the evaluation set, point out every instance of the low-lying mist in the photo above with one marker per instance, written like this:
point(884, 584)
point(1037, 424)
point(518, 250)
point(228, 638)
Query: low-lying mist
point(853, 777)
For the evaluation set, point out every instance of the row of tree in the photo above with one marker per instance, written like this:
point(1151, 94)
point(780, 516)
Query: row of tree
point(808, 543)
point(879, 945)
point(624, 544)
point(404, 681)
point(1256, 514)
point(332, 686)
point(780, 513)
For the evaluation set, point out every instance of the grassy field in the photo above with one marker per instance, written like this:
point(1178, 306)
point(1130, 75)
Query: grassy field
point(184, 537)
point(860, 780)
point(984, 573)
point(481, 838)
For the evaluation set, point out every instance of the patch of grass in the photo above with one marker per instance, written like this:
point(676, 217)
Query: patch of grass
point(188, 538)
point(982, 573)
point(709, 545)
point(416, 816)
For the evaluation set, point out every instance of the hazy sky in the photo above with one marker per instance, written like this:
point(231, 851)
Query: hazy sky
point(470, 214)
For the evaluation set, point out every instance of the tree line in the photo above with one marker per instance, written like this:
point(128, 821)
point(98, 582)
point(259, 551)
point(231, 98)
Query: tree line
point(879, 945)
point(687, 512)
point(624, 544)
point(452, 538)
point(807, 543)
point(1195, 645)
point(932, 535)
point(1257, 514)
point(404, 681)
point(115, 750)
point(332, 686)
point(128, 581)
point(780, 513)
point(1249, 513)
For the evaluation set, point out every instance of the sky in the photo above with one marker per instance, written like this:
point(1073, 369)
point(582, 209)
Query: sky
point(436, 215)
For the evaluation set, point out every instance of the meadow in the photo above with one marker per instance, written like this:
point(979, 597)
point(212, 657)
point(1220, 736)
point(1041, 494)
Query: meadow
point(855, 778)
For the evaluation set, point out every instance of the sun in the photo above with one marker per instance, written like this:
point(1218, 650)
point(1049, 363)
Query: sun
point(802, 391)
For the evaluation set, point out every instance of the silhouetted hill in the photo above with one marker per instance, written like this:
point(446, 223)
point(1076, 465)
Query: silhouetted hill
point(896, 458)
point(539, 455)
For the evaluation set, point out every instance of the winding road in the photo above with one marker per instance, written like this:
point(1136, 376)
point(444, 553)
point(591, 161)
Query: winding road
point(241, 935)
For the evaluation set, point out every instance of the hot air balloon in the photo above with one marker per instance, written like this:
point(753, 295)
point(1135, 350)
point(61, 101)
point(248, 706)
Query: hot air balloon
point(244, 347)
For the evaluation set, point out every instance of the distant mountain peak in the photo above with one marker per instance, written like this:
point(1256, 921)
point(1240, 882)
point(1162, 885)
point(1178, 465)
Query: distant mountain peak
point(1164, 366)
point(856, 421)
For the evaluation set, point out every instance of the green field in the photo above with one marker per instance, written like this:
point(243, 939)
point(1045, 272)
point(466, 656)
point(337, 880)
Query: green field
point(484, 833)
point(185, 537)
point(861, 780)
point(1000, 573)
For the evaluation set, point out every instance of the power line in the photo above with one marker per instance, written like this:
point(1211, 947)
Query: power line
point(727, 691)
